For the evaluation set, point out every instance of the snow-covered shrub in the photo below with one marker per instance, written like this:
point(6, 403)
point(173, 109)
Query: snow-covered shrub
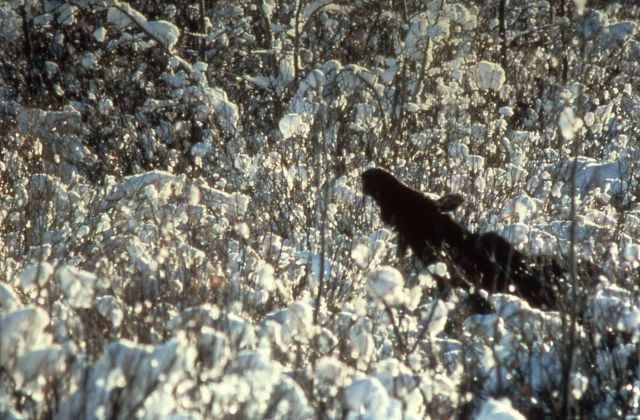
point(183, 233)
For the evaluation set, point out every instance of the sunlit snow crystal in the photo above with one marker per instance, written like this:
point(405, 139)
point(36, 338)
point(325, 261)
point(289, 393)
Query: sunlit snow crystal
point(439, 30)
point(487, 76)
point(387, 285)
point(579, 384)
point(458, 149)
point(130, 186)
point(250, 360)
point(165, 31)
point(396, 377)
point(490, 325)
point(201, 149)
point(264, 276)
point(331, 374)
point(498, 410)
point(140, 257)
point(287, 71)
point(66, 14)
point(630, 322)
point(315, 79)
point(292, 125)
point(111, 309)
point(262, 82)
point(569, 124)
point(88, 60)
point(38, 363)
point(579, 5)
point(77, 286)
point(241, 333)
point(23, 329)
point(436, 314)
point(360, 254)
point(271, 245)
point(144, 378)
point(368, 398)
point(300, 320)
point(242, 230)
point(35, 275)
point(8, 299)
point(416, 39)
point(313, 262)
point(521, 208)
point(439, 269)
point(213, 349)
point(438, 386)
point(122, 19)
point(631, 253)
point(124, 15)
point(474, 162)
point(105, 105)
point(200, 67)
point(361, 341)
point(242, 162)
point(617, 32)
point(506, 111)
point(591, 174)
point(100, 34)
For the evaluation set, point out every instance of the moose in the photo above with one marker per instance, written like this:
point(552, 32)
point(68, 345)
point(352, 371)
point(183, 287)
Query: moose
point(487, 259)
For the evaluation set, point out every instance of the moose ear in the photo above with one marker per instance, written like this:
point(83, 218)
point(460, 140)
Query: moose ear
point(449, 202)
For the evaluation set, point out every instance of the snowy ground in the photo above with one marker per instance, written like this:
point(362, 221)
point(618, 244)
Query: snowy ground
point(259, 282)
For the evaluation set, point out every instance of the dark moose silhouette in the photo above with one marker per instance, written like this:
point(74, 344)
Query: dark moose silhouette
point(487, 260)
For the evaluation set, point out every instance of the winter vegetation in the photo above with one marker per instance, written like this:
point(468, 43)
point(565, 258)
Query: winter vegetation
point(184, 234)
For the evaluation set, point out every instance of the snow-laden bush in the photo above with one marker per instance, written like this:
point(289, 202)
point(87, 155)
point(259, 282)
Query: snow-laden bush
point(183, 234)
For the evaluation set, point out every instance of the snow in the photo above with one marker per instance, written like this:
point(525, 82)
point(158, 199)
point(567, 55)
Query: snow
point(39, 121)
point(89, 61)
point(368, 398)
point(493, 409)
point(33, 364)
point(591, 174)
point(415, 41)
point(105, 105)
point(151, 374)
point(100, 34)
point(122, 15)
point(439, 269)
point(8, 299)
point(487, 76)
point(165, 31)
point(361, 342)
point(35, 275)
point(78, 286)
point(22, 329)
point(387, 285)
point(316, 267)
point(617, 32)
point(569, 124)
point(167, 215)
point(293, 125)
point(227, 112)
point(262, 82)
point(434, 315)
point(110, 308)
point(331, 374)
point(265, 277)
point(506, 111)
point(522, 208)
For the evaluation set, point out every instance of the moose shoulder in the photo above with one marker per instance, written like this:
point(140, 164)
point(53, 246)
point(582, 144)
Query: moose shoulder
point(422, 224)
